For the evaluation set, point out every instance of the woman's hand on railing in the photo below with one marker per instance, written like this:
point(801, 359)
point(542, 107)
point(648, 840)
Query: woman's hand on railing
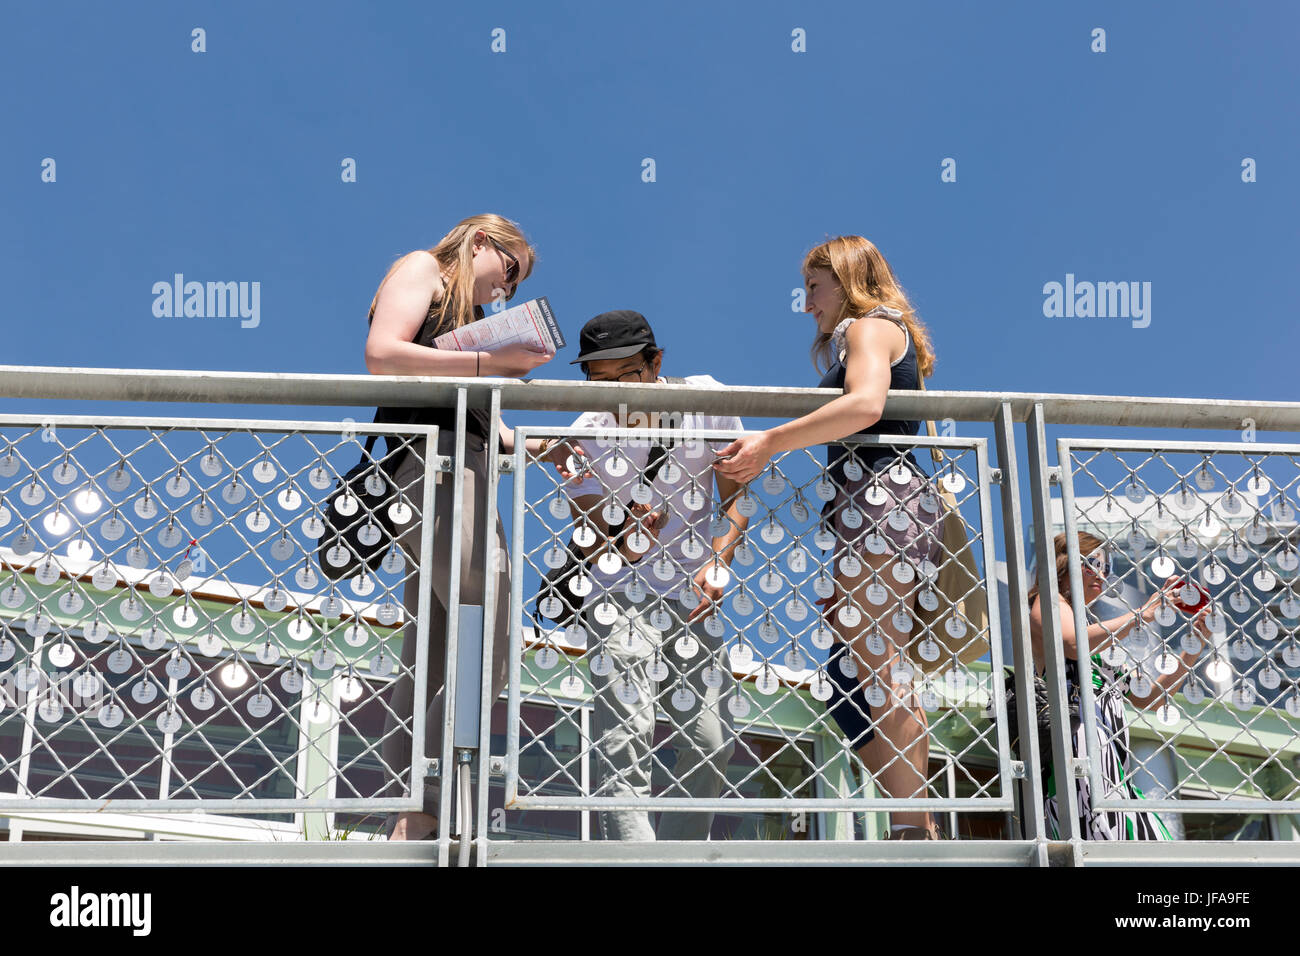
point(514, 361)
point(745, 458)
point(1199, 624)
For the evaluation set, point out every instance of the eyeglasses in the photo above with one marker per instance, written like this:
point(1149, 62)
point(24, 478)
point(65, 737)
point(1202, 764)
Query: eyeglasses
point(1098, 563)
point(512, 269)
point(632, 376)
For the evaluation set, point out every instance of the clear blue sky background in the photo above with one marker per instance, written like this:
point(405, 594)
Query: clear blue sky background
point(225, 165)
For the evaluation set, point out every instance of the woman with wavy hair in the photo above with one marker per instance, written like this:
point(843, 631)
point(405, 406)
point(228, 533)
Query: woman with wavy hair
point(425, 294)
point(870, 340)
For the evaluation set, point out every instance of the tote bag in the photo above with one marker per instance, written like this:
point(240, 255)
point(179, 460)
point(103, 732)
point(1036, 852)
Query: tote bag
point(959, 623)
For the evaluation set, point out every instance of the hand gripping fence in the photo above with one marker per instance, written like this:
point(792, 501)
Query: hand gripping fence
point(168, 640)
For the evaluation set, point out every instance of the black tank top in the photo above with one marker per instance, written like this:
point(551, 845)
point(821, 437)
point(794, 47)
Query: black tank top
point(903, 374)
point(477, 420)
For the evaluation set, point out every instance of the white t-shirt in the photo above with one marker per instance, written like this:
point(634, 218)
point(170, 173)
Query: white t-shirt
point(684, 484)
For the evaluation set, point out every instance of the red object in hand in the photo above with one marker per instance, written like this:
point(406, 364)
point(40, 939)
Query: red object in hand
point(1177, 584)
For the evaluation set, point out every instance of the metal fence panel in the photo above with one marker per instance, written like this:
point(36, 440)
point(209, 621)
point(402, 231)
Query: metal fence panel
point(175, 629)
point(763, 653)
point(1199, 541)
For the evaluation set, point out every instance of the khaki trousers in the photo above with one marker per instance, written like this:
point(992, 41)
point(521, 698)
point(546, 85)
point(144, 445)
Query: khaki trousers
point(477, 560)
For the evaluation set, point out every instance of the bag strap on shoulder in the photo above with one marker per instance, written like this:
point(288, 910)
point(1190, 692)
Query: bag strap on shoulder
point(370, 439)
point(936, 454)
point(659, 453)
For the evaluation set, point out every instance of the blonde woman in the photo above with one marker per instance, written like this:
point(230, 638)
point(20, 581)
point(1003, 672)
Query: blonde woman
point(871, 339)
point(1110, 688)
point(425, 294)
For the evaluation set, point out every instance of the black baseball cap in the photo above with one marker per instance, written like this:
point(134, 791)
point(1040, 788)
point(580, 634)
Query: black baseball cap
point(614, 335)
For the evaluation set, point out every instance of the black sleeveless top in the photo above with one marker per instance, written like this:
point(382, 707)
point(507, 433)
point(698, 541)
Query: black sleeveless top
point(903, 374)
point(477, 420)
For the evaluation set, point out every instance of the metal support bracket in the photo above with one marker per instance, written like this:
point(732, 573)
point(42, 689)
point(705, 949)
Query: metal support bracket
point(441, 463)
point(505, 465)
point(496, 766)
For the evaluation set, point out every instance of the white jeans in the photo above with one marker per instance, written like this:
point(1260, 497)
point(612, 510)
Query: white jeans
point(623, 748)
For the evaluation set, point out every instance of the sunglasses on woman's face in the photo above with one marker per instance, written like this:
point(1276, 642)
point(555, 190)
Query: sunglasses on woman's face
point(512, 269)
point(1098, 564)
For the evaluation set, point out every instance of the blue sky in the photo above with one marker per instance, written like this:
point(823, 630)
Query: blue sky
point(1122, 166)
point(225, 165)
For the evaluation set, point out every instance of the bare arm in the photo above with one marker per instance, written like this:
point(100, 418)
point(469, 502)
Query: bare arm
point(1164, 683)
point(866, 384)
point(403, 304)
point(533, 446)
point(1100, 635)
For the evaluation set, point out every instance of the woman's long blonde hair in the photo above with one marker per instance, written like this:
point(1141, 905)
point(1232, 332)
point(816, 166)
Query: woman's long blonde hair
point(455, 255)
point(867, 282)
point(1087, 544)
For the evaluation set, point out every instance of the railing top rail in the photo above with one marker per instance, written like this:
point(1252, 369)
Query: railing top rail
point(310, 388)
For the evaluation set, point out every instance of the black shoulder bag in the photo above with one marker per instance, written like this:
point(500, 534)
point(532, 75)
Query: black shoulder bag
point(364, 515)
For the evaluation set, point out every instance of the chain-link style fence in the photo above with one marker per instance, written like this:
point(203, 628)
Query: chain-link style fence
point(1192, 549)
point(184, 624)
point(194, 613)
point(659, 593)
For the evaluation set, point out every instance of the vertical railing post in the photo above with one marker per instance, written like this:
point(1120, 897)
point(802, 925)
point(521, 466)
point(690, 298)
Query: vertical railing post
point(1083, 653)
point(453, 626)
point(1021, 649)
point(422, 635)
point(1053, 652)
point(494, 561)
point(516, 654)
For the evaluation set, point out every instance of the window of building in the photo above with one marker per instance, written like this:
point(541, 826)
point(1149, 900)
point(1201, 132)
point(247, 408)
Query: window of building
point(225, 753)
point(77, 758)
point(362, 772)
point(1223, 826)
point(554, 750)
point(219, 753)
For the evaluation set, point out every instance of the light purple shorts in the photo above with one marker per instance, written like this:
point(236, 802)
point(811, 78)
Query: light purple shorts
point(918, 536)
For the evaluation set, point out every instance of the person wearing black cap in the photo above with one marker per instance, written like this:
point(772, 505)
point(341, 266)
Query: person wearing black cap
point(621, 334)
point(653, 634)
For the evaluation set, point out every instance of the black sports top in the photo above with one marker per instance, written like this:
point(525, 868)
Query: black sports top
point(477, 420)
point(903, 374)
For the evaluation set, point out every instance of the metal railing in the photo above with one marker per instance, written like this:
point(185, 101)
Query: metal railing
point(762, 656)
point(176, 627)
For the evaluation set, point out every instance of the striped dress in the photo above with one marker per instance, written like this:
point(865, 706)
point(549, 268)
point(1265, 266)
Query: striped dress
point(1113, 743)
